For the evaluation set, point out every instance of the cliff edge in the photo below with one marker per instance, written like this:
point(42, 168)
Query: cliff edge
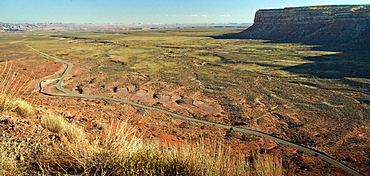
point(342, 24)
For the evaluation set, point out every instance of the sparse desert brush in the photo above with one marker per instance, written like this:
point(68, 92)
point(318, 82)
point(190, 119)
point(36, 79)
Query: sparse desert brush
point(57, 124)
point(12, 157)
point(118, 151)
point(8, 164)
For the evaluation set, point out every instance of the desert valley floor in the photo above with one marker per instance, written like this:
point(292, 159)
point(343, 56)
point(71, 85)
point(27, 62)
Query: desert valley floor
point(312, 95)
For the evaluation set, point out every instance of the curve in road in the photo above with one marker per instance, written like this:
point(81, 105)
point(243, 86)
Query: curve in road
point(317, 153)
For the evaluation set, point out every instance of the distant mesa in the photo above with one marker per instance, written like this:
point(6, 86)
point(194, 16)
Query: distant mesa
point(348, 24)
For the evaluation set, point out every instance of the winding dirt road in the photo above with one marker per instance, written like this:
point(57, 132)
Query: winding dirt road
point(317, 153)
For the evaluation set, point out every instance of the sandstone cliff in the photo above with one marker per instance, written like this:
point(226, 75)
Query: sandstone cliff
point(313, 24)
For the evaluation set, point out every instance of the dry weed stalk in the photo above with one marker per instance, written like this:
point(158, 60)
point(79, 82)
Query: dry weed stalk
point(11, 90)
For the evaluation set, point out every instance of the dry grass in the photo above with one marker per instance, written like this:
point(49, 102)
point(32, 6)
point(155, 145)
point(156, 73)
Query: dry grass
point(11, 86)
point(23, 108)
point(267, 165)
point(57, 124)
point(118, 151)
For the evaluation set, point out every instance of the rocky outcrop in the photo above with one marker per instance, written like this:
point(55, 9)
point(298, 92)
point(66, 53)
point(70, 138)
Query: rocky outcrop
point(313, 24)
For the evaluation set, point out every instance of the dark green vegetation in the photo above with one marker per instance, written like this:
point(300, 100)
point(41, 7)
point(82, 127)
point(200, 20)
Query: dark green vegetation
point(318, 98)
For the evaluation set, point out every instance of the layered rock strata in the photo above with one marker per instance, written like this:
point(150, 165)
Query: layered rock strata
point(315, 24)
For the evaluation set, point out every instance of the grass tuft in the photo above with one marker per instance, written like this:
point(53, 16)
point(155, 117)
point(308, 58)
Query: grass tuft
point(23, 108)
point(57, 124)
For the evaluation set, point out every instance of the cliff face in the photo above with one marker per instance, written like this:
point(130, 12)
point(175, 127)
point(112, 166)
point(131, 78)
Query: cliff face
point(314, 24)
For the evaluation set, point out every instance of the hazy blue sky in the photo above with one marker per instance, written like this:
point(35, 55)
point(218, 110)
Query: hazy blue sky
point(146, 11)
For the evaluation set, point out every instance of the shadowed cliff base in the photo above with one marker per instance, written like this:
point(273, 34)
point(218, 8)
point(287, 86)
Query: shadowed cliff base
point(344, 29)
point(347, 63)
point(351, 60)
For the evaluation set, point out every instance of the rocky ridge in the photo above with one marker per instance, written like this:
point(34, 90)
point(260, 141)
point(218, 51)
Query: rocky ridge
point(312, 24)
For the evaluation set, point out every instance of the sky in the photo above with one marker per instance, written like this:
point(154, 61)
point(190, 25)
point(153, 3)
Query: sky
point(146, 11)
